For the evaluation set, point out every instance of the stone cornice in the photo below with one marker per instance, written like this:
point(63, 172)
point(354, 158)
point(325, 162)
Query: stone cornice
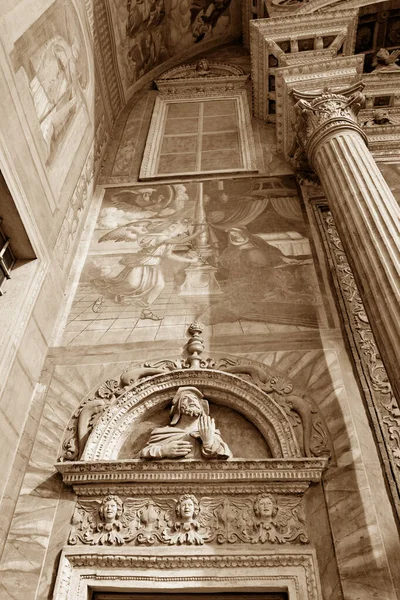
point(192, 471)
point(314, 77)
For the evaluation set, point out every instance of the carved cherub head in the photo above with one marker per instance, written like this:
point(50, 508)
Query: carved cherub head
point(203, 67)
point(188, 401)
point(265, 506)
point(110, 509)
point(187, 507)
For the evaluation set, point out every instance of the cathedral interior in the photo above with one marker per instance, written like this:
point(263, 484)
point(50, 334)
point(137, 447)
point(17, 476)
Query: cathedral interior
point(200, 299)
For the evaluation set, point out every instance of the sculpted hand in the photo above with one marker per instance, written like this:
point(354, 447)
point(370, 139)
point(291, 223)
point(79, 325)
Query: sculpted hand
point(176, 449)
point(207, 430)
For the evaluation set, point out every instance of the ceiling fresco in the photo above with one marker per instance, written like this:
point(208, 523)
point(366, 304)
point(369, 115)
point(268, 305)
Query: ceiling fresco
point(149, 32)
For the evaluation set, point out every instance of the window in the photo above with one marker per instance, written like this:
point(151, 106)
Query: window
point(7, 258)
point(15, 247)
point(201, 123)
point(200, 137)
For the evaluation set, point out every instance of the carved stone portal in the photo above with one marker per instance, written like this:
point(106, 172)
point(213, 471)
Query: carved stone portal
point(187, 488)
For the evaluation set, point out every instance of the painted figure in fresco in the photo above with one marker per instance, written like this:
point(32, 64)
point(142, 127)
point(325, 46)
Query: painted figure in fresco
point(144, 15)
point(196, 435)
point(205, 14)
point(142, 280)
point(56, 87)
point(262, 284)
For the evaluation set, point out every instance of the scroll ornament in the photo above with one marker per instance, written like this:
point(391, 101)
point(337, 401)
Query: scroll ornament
point(300, 408)
point(112, 521)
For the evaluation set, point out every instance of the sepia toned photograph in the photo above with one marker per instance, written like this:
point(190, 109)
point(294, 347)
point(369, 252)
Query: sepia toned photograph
point(200, 300)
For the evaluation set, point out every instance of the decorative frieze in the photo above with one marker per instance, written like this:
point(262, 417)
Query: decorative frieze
point(382, 404)
point(189, 520)
point(280, 42)
point(192, 471)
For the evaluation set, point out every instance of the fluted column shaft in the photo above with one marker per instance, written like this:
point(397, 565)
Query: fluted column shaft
point(365, 211)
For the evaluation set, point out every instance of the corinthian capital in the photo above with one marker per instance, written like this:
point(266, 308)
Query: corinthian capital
point(319, 114)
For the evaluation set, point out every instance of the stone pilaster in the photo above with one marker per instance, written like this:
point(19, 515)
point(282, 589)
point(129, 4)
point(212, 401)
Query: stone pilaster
point(366, 213)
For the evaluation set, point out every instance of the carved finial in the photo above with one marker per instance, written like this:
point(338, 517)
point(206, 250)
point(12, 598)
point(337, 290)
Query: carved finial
point(195, 345)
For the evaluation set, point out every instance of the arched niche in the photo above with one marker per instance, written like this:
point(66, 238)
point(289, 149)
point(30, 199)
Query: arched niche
point(146, 397)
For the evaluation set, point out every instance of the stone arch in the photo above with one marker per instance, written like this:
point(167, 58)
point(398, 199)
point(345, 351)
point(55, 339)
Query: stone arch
point(111, 430)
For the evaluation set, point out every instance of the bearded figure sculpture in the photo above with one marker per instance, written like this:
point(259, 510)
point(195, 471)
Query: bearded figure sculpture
point(191, 433)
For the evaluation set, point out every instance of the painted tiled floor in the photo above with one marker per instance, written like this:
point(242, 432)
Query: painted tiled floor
point(116, 324)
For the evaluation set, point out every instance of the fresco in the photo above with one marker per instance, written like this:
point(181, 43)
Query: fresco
point(52, 70)
point(149, 32)
point(232, 253)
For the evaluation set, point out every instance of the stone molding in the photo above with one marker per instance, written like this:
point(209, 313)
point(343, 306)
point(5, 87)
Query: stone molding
point(293, 570)
point(277, 42)
point(325, 6)
point(102, 488)
point(382, 405)
point(191, 472)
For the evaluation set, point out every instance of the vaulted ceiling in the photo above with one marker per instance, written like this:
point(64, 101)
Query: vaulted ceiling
point(139, 39)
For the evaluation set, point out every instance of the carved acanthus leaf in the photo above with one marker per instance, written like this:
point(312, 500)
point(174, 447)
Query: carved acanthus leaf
point(112, 521)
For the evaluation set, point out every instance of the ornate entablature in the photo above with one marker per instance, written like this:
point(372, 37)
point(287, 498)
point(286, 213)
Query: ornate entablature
point(188, 483)
point(281, 42)
point(380, 116)
point(203, 76)
point(290, 53)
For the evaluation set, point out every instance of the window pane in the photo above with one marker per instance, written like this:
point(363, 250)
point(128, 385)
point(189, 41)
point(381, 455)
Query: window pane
point(177, 163)
point(219, 107)
point(228, 140)
point(174, 145)
point(220, 159)
point(174, 126)
point(183, 109)
point(221, 123)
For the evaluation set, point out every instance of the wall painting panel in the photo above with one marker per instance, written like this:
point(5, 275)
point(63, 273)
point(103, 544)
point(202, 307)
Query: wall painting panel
point(232, 253)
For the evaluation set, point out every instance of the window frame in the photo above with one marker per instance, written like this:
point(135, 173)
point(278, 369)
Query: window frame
point(152, 151)
point(3, 267)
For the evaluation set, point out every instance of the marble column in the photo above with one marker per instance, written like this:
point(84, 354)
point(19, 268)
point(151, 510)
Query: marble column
point(365, 211)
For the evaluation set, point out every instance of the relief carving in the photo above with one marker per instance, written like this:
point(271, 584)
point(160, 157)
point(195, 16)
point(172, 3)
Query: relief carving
point(375, 382)
point(85, 418)
point(196, 436)
point(192, 433)
point(270, 518)
point(385, 61)
point(278, 523)
point(313, 111)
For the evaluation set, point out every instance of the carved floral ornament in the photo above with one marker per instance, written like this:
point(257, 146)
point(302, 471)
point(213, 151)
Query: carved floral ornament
point(189, 520)
point(320, 114)
point(200, 77)
point(186, 486)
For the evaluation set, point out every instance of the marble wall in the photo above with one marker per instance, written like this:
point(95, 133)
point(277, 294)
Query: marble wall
point(54, 128)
